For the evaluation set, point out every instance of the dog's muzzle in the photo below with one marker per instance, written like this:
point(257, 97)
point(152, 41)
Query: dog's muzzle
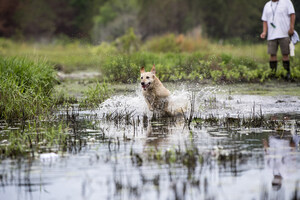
point(145, 86)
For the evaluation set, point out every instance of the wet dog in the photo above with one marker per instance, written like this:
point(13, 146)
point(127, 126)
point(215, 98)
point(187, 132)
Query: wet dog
point(156, 95)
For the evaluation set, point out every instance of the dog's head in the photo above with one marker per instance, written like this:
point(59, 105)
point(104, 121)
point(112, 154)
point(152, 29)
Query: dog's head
point(147, 78)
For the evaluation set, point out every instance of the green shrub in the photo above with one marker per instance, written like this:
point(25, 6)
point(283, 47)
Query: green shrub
point(104, 49)
point(128, 43)
point(120, 68)
point(25, 87)
point(226, 58)
point(216, 75)
point(196, 66)
point(166, 43)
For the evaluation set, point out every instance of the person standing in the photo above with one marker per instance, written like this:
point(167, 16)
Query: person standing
point(278, 25)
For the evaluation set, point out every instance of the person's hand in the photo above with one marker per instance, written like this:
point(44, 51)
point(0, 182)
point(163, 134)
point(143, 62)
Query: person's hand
point(291, 32)
point(263, 35)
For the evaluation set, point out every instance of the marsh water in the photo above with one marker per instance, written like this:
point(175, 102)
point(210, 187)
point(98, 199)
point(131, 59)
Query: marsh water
point(239, 144)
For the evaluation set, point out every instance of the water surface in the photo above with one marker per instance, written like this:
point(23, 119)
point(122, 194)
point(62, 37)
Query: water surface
point(123, 151)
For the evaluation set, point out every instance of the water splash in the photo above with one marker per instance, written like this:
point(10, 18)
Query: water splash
point(209, 100)
point(178, 101)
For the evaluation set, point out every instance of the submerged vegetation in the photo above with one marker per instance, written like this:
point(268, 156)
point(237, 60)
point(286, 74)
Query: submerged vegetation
point(33, 138)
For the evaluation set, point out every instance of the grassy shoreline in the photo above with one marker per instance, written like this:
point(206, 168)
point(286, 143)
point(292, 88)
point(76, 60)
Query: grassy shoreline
point(177, 58)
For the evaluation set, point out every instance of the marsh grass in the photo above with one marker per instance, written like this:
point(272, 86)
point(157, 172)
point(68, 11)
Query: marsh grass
point(25, 88)
point(33, 138)
point(95, 95)
point(256, 120)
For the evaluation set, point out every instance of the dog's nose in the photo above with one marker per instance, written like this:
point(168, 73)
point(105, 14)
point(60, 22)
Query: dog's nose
point(142, 83)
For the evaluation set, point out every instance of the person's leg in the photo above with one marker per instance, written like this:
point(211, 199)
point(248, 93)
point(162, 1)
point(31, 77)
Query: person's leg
point(272, 50)
point(285, 50)
point(273, 63)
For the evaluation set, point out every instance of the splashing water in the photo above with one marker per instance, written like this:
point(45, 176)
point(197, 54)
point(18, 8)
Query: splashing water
point(209, 100)
point(135, 103)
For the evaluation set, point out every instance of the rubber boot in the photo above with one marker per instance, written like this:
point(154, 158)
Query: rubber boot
point(273, 66)
point(286, 65)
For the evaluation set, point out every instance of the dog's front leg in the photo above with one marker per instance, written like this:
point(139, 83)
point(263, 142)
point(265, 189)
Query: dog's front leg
point(148, 101)
point(149, 105)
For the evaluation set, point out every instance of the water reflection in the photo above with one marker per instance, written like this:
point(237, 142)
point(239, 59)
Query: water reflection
point(281, 157)
point(159, 158)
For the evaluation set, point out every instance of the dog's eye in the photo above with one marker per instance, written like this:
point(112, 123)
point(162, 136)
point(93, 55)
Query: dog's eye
point(141, 77)
point(147, 77)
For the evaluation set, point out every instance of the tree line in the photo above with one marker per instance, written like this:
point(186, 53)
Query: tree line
point(104, 20)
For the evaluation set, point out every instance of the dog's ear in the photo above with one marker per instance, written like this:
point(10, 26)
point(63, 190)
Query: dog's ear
point(142, 70)
point(153, 70)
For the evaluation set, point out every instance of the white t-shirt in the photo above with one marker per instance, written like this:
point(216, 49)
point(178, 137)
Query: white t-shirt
point(278, 13)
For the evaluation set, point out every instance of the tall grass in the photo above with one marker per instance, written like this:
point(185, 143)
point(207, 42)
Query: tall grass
point(66, 56)
point(25, 87)
point(177, 57)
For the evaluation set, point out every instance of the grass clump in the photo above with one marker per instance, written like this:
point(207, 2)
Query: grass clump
point(25, 88)
point(95, 95)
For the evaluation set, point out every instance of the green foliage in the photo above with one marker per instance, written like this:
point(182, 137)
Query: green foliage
point(106, 20)
point(107, 13)
point(234, 20)
point(25, 87)
point(128, 43)
point(183, 66)
point(126, 67)
point(220, 63)
point(104, 49)
point(113, 19)
point(166, 43)
point(95, 95)
point(216, 75)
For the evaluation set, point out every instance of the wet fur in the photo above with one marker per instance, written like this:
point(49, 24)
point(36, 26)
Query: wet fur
point(156, 95)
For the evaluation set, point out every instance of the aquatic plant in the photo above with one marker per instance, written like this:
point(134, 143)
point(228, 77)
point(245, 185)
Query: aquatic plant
point(33, 138)
point(25, 87)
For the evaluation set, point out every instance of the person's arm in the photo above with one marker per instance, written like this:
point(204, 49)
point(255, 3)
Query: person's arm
point(292, 24)
point(265, 30)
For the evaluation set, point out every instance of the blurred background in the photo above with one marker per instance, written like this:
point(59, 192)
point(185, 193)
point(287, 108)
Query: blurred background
point(105, 20)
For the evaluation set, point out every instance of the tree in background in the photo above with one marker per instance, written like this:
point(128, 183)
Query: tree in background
point(45, 19)
point(105, 20)
point(297, 9)
point(158, 17)
point(7, 11)
point(113, 19)
point(224, 19)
